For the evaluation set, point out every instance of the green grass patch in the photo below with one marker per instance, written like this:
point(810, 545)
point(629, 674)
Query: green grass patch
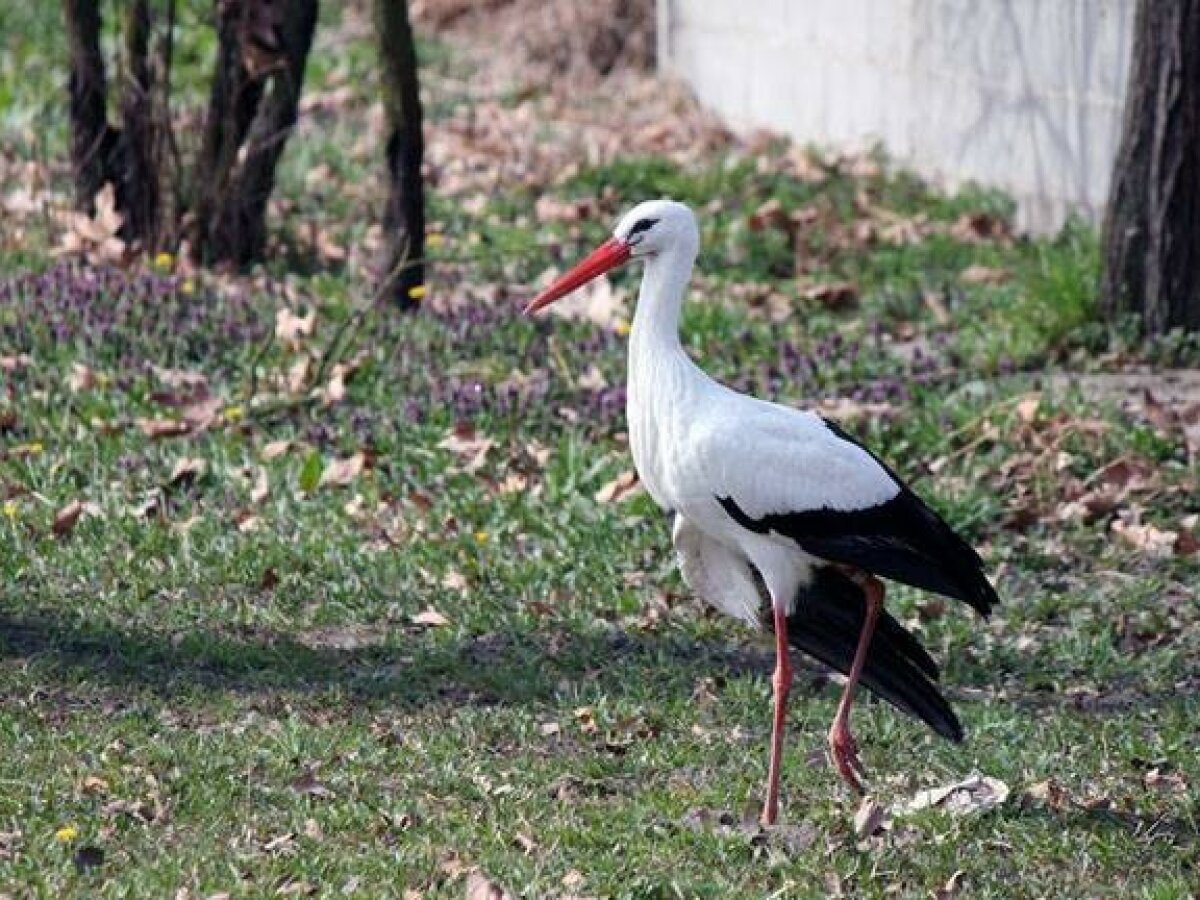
point(360, 644)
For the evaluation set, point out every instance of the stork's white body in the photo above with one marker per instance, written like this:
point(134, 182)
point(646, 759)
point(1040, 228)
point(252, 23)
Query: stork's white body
point(695, 440)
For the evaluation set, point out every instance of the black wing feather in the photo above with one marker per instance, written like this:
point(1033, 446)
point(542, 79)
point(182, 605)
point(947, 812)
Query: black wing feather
point(826, 625)
point(902, 539)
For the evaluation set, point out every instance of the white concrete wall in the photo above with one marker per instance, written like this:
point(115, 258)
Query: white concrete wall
point(1024, 95)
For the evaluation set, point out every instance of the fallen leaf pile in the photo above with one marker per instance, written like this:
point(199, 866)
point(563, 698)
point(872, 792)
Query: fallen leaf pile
point(822, 231)
point(96, 236)
point(1049, 477)
point(974, 794)
point(557, 39)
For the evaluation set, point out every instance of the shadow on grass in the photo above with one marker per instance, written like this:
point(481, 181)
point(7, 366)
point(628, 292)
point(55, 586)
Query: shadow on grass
point(404, 667)
point(413, 667)
point(1148, 829)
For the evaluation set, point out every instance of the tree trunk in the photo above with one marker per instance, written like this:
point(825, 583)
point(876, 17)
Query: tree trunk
point(1152, 229)
point(94, 143)
point(232, 104)
point(403, 269)
point(140, 173)
point(255, 96)
point(240, 230)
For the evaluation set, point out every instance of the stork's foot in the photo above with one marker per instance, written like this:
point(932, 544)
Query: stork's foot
point(770, 813)
point(843, 751)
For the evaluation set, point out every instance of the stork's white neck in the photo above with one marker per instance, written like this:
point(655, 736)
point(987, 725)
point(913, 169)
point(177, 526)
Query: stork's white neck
point(665, 386)
point(656, 320)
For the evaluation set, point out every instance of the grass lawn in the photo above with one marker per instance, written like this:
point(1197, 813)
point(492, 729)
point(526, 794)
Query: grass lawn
point(344, 606)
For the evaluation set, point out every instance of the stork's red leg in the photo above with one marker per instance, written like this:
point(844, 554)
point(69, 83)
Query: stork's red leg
point(843, 749)
point(781, 682)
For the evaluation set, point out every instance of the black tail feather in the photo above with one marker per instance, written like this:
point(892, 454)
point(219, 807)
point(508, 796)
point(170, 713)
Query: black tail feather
point(826, 625)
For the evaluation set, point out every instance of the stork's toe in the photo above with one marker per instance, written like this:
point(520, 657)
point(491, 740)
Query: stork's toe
point(843, 751)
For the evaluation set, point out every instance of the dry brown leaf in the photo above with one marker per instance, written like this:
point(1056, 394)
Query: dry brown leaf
point(163, 428)
point(1126, 473)
point(552, 209)
point(978, 274)
point(182, 379)
point(977, 227)
point(25, 201)
point(470, 447)
point(95, 236)
point(291, 329)
point(65, 518)
point(308, 784)
point(262, 486)
point(869, 818)
point(1187, 544)
point(275, 449)
point(94, 784)
point(186, 470)
point(573, 879)
point(81, 378)
point(937, 306)
point(280, 842)
point(328, 248)
point(975, 793)
point(833, 295)
point(951, 888)
point(296, 888)
point(593, 379)
point(806, 166)
point(1170, 780)
point(247, 522)
point(203, 413)
point(1191, 436)
point(1049, 792)
point(586, 717)
point(107, 221)
point(1151, 541)
point(770, 214)
point(335, 390)
point(538, 452)
point(430, 618)
point(513, 483)
point(525, 843)
point(454, 580)
point(297, 375)
point(621, 488)
point(480, 887)
point(340, 472)
point(1027, 407)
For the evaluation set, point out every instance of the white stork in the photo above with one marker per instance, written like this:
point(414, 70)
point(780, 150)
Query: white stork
point(781, 518)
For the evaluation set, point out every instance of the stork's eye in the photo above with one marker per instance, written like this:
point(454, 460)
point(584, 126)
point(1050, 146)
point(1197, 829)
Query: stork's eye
point(642, 225)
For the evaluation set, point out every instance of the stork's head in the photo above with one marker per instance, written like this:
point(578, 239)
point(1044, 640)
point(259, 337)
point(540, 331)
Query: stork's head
point(649, 229)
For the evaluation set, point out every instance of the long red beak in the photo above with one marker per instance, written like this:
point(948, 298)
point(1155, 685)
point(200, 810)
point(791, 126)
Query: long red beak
point(608, 255)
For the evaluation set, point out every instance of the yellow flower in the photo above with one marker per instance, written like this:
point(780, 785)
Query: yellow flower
point(164, 260)
point(622, 327)
point(482, 537)
point(188, 286)
point(417, 291)
point(435, 240)
point(235, 413)
point(10, 510)
point(66, 834)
